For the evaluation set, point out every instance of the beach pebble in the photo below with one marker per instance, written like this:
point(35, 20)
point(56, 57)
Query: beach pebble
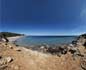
point(17, 49)
point(8, 59)
point(10, 47)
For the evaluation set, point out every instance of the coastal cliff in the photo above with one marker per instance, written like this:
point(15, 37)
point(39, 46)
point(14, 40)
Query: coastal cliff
point(20, 58)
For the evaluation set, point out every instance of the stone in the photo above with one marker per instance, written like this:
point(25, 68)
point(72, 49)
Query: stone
point(17, 49)
point(83, 63)
point(73, 50)
point(5, 60)
point(0, 57)
point(10, 47)
point(84, 45)
point(3, 67)
point(42, 47)
point(8, 59)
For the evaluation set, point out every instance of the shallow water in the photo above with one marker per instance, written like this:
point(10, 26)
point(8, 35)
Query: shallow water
point(49, 40)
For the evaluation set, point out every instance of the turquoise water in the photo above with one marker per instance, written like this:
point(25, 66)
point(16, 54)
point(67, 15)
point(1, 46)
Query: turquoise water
point(49, 40)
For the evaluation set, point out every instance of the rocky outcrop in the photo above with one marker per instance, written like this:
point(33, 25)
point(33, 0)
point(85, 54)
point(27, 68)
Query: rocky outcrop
point(81, 46)
point(81, 40)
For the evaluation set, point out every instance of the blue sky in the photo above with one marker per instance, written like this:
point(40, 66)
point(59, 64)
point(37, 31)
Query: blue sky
point(43, 17)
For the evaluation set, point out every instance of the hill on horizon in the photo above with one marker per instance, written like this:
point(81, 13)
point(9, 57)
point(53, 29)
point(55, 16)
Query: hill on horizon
point(11, 34)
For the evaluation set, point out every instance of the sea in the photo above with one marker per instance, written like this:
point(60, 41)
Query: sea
point(41, 40)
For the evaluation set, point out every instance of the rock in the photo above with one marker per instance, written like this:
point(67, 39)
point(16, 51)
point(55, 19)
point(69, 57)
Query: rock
point(0, 57)
point(81, 40)
point(3, 67)
point(17, 49)
point(83, 35)
point(43, 49)
point(63, 49)
point(84, 45)
point(74, 42)
point(5, 60)
point(10, 47)
point(83, 63)
point(73, 50)
point(71, 45)
point(8, 59)
point(53, 50)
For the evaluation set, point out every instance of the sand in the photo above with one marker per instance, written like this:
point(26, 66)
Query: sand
point(12, 39)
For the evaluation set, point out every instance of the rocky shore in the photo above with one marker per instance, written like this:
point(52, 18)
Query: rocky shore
point(66, 57)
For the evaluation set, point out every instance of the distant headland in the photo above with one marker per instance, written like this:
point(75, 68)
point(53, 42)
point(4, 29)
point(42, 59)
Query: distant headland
point(11, 34)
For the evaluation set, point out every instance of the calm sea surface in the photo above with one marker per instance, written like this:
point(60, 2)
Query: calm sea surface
point(49, 40)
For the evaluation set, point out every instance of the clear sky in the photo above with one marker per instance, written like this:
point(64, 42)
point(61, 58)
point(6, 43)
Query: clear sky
point(43, 17)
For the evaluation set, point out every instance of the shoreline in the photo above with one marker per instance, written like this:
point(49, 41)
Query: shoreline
point(15, 58)
point(12, 39)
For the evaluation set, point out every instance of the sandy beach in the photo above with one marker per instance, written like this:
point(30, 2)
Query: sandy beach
point(11, 39)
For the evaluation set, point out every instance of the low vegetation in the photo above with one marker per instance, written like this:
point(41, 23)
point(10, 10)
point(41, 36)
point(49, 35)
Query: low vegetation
point(10, 34)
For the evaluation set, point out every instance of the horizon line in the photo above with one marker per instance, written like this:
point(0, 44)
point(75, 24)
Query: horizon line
point(27, 34)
